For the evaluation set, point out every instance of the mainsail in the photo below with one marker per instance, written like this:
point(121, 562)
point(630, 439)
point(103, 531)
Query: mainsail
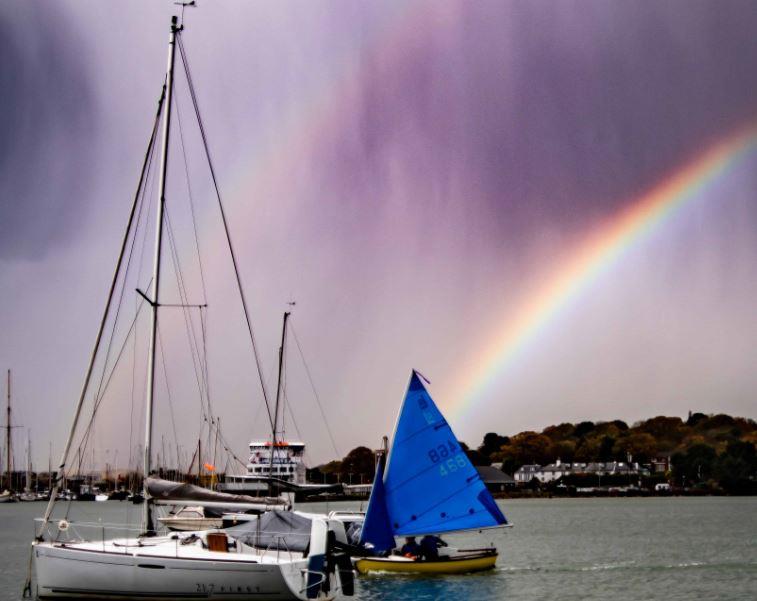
point(430, 486)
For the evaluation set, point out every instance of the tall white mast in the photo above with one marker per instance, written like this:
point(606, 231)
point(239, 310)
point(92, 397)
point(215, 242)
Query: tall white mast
point(146, 516)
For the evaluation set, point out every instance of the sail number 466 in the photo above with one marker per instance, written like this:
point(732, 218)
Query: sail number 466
point(448, 457)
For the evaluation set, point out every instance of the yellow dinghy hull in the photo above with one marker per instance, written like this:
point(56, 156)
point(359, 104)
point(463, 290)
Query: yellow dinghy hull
point(458, 564)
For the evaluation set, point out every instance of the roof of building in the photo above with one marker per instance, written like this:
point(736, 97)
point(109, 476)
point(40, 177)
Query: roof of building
point(530, 467)
point(492, 475)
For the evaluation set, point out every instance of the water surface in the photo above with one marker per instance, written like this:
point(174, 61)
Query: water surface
point(665, 549)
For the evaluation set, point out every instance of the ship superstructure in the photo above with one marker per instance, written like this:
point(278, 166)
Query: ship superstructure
point(280, 460)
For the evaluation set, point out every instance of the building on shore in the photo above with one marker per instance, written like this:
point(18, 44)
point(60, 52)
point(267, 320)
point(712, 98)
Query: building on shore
point(494, 478)
point(558, 469)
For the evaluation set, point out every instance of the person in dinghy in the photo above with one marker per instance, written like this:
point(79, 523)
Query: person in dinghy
point(426, 486)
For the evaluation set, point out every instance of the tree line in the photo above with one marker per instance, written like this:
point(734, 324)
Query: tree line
point(717, 450)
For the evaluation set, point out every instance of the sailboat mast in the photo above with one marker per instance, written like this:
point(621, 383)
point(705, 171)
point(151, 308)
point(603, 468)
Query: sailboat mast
point(28, 460)
point(278, 397)
point(8, 452)
point(146, 516)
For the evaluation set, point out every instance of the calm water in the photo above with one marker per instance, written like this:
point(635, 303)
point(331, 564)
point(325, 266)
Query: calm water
point(667, 549)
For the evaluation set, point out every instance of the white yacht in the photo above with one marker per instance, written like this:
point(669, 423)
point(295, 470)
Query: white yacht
point(278, 555)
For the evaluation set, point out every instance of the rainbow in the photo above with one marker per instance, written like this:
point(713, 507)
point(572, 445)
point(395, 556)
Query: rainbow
point(593, 258)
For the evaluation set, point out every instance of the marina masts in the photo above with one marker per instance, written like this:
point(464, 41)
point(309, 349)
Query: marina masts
point(8, 451)
point(146, 516)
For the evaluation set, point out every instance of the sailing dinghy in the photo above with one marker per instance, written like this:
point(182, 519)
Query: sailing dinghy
point(429, 487)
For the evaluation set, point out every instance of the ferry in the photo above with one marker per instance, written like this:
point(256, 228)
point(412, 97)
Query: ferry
point(286, 470)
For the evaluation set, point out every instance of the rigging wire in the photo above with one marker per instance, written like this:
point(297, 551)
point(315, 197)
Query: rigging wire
point(191, 199)
point(203, 357)
point(145, 178)
point(88, 430)
point(185, 62)
point(315, 392)
point(133, 229)
point(168, 391)
point(184, 298)
point(199, 365)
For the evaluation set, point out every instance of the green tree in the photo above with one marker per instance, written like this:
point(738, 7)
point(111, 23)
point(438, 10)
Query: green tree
point(492, 443)
point(695, 418)
point(563, 449)
point(737, 468)
point(583, 429)
point(642, 446)
point(695, 465)
point(529, 447)
point(606, 449)
point(358, 465)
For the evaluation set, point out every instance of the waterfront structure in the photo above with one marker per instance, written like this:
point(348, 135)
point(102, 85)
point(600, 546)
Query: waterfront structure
point(281, 460)
point(526, 473)
point(558, 469)
point(494, 478)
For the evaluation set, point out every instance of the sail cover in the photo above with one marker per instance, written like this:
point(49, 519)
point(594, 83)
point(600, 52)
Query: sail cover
point(168, 490)
point(430, 486)
point(275, 530)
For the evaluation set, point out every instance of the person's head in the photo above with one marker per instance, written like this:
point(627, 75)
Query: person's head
point(409, 539)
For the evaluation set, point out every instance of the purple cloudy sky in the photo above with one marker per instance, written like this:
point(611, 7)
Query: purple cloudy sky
point(407, 172)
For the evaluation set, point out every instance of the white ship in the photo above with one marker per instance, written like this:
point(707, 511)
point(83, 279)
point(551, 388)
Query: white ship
point(280, 462)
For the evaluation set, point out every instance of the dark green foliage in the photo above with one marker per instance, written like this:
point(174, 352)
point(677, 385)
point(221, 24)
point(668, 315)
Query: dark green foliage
point(716, 421)
point(358, 465)
point(716, 451)
point(583, 429)
point(605, 449)
point(478, 458)
point(695, 465)
point(695, 418)
point(737, 468)
point(492, 443)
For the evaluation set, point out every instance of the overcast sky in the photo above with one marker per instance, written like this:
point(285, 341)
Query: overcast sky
point(405, 172)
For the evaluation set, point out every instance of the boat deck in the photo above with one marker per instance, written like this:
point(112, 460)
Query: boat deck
point(176, 548)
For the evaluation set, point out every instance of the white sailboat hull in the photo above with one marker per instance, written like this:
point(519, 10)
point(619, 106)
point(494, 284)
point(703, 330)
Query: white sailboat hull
point(80, 570)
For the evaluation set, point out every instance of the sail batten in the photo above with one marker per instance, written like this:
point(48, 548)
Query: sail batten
point(429, 486)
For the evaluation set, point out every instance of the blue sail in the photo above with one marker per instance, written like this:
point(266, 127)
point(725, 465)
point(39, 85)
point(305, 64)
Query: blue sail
point(430, 486)
point(377, 529)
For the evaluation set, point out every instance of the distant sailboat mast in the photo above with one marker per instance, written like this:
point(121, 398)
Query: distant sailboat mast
point(8, 448)
point(276, 406)
point(28, 486)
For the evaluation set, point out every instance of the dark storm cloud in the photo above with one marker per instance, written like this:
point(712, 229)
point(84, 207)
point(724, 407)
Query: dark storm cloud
point(553, 111)
point(45, 119)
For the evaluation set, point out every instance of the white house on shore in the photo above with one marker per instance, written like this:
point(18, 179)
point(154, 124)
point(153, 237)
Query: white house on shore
point(558, 469)
point(526, 473)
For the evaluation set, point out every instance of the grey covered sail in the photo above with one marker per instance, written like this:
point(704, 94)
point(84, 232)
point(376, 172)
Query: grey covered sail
point(167, 491)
